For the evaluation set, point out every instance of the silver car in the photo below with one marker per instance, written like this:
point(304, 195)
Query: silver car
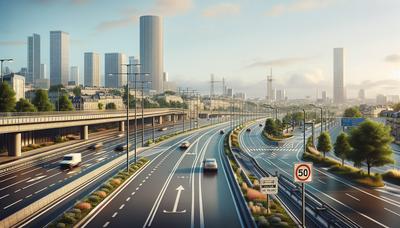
point(210, 164)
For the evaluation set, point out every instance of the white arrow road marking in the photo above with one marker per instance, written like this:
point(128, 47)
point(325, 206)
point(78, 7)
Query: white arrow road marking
point(36, 178)
point(178, 196)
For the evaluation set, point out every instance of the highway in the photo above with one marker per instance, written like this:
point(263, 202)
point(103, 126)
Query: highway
point(366, 206)
point(20, 187)
point(173, 191)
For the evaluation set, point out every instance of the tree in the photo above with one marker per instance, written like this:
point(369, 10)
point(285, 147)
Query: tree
point(64, 103)
point(111, 106)
point(168, 92)
point(77, 91)
point(132, 100)
point(396, 107)
point(24, 105)
point(7, 98)
point(352, 112)
point(342, 147)
point(324, 143)
point(278, 128)
point(41, 101)
point(55, 88)
point(269, 127)
point(310, 142)
point(371, 145)
point(100, 106)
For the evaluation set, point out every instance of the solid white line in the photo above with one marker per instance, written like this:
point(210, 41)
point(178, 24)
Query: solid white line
point(392, 211)
point(12, 204)
point(347, 194)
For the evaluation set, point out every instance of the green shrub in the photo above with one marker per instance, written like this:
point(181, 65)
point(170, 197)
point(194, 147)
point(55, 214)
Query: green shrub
point(108, 186)
point(68, 219)
point(94, 199)
point(60, 225)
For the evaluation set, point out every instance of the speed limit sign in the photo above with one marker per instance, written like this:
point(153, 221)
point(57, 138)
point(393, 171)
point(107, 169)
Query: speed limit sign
point(302, 172)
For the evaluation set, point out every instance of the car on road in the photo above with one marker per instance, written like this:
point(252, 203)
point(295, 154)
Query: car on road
point(221, 132)
point(210, 164)
point(162, 129)
point(71, 160)
point(122, 147)
point(260, 125)
point(96, 146)
point(248, 129)
point(185, 145)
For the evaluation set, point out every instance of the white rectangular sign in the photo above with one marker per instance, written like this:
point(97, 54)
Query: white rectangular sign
point(269, 185)
point(303, 172)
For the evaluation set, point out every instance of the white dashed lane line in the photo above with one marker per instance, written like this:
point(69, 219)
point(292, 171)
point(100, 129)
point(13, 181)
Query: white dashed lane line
point(347, 194)
point(122, 206)
point(106, 224)
point(115, 214)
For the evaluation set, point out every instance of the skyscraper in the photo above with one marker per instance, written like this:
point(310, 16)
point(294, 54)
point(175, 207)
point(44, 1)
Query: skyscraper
point(361, 94)
point(133, 71)
point(338, 75)
point(74, 76)
point(114, 71)
point(152, 50)
point(92, 69)
point(59, 57)
point(33, 58)
point(43, 71)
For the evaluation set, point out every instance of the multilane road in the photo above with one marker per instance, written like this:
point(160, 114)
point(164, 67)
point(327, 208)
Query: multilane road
point(21, 187)
point(368, 207)
point(173, 191)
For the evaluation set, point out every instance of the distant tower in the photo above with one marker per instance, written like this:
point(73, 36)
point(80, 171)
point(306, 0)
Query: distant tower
point(92, 69)
point(33, 58)
point(152, 50)
point(59, 57)
point(338, 75)
point(270, 91)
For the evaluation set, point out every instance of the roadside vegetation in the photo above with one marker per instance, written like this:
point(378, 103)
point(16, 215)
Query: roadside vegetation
point(84, 206)
point(274, 130)
point(367, 145)
point(256, 201)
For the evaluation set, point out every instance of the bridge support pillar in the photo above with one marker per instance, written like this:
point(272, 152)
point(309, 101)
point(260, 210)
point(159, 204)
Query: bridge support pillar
point(160, 120)
point(85, 132)
point(121, 126)
point(15, 146)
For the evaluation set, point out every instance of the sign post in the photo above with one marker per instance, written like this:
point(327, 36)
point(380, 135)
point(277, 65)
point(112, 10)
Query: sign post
point(269, 185)
point(302, 173)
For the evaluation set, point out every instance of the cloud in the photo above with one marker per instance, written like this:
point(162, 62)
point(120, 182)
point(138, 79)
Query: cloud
point(74, 2)
point(277, 62)
point(222, 9)
point(375, 84)
point(171, 7)
point(306, 79)
point(12, 42)
point(298, 6)
point(131, 16)
point(395, 58)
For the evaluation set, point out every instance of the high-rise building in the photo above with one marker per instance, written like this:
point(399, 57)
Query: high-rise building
point(33, 58)
point(134, 72)
point(59, 57)
point(324, 96)
point(43, 71)
point(74, 75)
point(92, 69)
point(152, 50)
point(381, 99)
point(229, 92)
point(361, 94)
point(280, 95)
point(114, 70)
point(338, 75)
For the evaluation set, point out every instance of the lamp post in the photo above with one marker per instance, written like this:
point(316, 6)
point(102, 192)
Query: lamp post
point(322, 120)
point(1, 61)
point(304, 131)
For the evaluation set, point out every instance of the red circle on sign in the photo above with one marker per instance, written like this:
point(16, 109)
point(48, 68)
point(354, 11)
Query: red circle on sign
point(309, 172)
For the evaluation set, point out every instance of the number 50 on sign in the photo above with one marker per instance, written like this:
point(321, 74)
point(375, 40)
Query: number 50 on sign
point(302, 172)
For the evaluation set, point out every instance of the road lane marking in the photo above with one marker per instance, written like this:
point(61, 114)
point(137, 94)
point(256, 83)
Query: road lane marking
point(115, 214)
point(7, 179)
point(17, 190)
point(353, 197)
point(106, 224)
point(2, 197)
point(12, 204)
point(133, 193)
point(122, 206)
point(40, 190)
point(15, 183)
point(36, 178)
point(31, 170)
point(392, 211)
point(323, 182)
point(28, 196)
point(127, 199)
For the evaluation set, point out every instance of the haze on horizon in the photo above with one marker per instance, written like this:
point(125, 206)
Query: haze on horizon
point(239, 40)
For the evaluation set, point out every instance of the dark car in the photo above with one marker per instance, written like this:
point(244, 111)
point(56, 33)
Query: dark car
point(185, 145)
point(248, 129)
point(122, 147)
point(96, 146)
point(260, 125)
point(221, 132)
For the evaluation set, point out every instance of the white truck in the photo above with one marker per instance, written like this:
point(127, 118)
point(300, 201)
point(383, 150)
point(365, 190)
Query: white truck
point(71, 160)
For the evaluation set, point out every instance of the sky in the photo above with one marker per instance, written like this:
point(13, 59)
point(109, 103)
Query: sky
point(239, 40)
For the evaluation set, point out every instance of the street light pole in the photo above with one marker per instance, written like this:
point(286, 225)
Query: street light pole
point(322, 120)
point(304, 131)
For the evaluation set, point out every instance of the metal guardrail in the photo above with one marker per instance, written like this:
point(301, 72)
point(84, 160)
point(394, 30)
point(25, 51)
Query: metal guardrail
point(244, 210)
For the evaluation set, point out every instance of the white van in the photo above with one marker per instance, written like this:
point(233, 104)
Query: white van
point(71, 160)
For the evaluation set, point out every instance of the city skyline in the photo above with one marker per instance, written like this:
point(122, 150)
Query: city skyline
point(302, 60)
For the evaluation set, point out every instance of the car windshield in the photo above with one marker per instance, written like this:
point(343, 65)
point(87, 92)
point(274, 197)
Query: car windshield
point(67, 158)
point(210, 160)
